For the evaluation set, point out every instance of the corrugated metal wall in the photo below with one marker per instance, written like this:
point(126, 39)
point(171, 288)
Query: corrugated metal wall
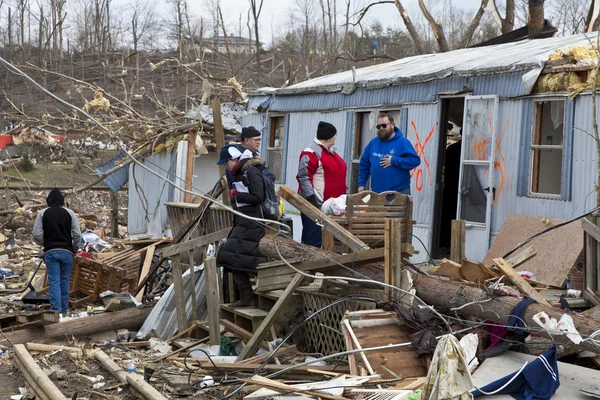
point(148, 193)
point(510, 113)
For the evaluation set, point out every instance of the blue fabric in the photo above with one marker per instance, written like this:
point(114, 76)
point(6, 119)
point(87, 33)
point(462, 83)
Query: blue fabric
point(538, 380)
point(515, 319)
point(396, 177)
point(311, 232)
point(59, 264)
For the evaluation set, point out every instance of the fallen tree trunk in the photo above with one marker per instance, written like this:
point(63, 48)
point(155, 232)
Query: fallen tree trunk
point(131, 318)
point(444, 294)
point(292, 249)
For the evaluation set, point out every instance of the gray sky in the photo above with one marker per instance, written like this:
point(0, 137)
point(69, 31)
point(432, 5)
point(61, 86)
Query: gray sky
point(278, 13)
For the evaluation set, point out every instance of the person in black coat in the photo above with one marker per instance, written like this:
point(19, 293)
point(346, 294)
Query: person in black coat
point(240, 252)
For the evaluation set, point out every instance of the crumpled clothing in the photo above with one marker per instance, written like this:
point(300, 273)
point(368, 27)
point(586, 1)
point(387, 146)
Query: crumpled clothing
point(448, 377)
point(420, 321)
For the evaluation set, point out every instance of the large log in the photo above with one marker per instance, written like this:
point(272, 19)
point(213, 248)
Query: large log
point(292, 249)
point(131, 318)
point(445, 295)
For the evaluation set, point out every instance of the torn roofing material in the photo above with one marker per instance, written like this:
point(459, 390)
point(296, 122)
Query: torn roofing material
point(522, 56)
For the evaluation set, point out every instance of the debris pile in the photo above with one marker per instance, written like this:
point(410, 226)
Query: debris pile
point(355, 320)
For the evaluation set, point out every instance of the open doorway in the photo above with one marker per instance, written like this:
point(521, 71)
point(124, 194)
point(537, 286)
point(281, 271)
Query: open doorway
point(447, 176)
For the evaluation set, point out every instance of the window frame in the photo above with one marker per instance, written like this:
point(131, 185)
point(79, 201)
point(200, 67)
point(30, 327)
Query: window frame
point(269, 145)
point(536, 133)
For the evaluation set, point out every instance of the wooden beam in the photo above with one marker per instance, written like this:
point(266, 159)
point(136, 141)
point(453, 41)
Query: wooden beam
point(48, 348)
point(35, 376)
point(284, 388)
point(393, 252)
point(189, 169)
point(145, 268)
point(194, 243)
point(519, 281)
point(284, 350)
point(241, 332)
point(519, 258)
point(212, 300)
point(229, 367)
point(318, 216)
point(219, 138)
point(458, 239)
point(250, 349)
point(179, 294)
point(591, 229)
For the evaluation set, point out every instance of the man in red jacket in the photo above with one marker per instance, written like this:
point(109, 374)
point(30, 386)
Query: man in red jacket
point(321, 176)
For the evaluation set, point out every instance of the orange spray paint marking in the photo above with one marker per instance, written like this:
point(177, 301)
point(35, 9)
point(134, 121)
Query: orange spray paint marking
point(420, 149)
point(501, 164)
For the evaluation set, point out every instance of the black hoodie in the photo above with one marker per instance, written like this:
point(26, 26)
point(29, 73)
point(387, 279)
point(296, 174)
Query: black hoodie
point(56, 227)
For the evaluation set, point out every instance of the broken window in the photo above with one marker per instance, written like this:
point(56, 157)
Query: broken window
point(546, 149)
point(275, 147)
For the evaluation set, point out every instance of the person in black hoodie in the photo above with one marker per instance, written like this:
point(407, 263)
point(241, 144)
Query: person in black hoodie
point(57, 229)
point(240, 253)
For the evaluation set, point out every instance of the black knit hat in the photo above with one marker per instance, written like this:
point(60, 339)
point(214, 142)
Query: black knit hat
point(325, 131)
point(249, 132)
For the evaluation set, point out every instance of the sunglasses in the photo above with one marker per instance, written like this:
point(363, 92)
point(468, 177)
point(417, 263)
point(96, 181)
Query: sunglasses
point(381, 126)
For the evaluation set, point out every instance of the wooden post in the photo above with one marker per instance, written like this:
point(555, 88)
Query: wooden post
point(35, 377)
point(193, 286)
point(219, 138)
point(189, 171)
point(592, 254)
point(212, 300)
point(457, 243)
point(264, 327)
point(393, 252)
point(179, 294)
point(114, 215)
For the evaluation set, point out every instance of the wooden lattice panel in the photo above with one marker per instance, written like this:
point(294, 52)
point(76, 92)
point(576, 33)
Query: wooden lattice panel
point(321, 333)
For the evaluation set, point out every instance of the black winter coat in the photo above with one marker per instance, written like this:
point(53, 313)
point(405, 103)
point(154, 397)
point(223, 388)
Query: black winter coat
point(240, 251)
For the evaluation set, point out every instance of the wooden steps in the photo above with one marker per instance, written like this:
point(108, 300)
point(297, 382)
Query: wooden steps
point(247, 318)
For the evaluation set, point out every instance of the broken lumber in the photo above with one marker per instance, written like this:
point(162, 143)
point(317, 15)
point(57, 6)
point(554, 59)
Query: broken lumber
point(284, 388)
point(291, 249)
point(131, 318)
point(448, 268)
point(48, 347)
point(319, 216)
point(519, 258)
point(34, 375)
point(135, 381)
point(519, 281)
point(446, 294)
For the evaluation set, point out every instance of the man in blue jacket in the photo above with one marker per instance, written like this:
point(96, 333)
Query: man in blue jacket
point(387, 159)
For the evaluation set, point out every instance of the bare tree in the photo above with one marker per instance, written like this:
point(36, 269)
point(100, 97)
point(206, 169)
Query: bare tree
point(143, 20)
point(506, 24)
point(256, 9)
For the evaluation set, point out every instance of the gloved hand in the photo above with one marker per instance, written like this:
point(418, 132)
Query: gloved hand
point(313, 200)
point(233, 193)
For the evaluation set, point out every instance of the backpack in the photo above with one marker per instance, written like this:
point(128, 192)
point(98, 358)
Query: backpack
point(272, 206)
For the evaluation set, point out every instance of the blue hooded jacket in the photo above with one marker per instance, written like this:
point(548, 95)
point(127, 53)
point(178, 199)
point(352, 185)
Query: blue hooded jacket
point(397, 176)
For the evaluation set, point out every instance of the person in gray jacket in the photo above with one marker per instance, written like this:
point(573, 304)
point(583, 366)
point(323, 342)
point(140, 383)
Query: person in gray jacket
point(57, 229)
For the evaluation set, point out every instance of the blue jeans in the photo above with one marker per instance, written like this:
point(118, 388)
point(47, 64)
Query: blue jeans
point(311, 232)
point(59, 264)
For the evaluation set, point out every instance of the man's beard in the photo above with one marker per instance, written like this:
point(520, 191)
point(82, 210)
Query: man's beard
point(384, 135)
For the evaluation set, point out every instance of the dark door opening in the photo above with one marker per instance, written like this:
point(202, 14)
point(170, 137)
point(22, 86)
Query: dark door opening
point(447, 176)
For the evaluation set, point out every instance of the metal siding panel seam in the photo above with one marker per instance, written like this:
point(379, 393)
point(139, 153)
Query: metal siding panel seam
point(523, 176)
point(568, 150)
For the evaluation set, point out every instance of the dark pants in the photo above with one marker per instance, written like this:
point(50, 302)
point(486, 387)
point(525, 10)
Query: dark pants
point(242, 279)
point(311, 232)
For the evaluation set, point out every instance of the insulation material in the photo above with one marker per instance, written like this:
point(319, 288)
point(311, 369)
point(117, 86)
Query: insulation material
point(557, 82)
point(583, 54)
point(99, 103)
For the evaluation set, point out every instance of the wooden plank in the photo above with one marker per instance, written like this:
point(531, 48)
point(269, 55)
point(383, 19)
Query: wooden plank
point(229, 367)
point(189, 169)
point(288, 350)
point(179, 294)
point(591, 229)
point(393, 252)
point(317, 215)
point(40, 379)
point(219, 138)
point(263, 329)
point(520, 257)
point(519, 281)
point(212, 300)
point(591, 263)
point(564, 244)
point(145, 268)
point(197, 242)
point(458, 239)
point(241, 332)
point(284, 388)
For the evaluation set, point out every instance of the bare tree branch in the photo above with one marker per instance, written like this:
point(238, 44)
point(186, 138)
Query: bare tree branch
point(474, 24)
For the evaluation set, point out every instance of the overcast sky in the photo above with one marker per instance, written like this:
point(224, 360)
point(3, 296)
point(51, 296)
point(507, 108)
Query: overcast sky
point(277, 12)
